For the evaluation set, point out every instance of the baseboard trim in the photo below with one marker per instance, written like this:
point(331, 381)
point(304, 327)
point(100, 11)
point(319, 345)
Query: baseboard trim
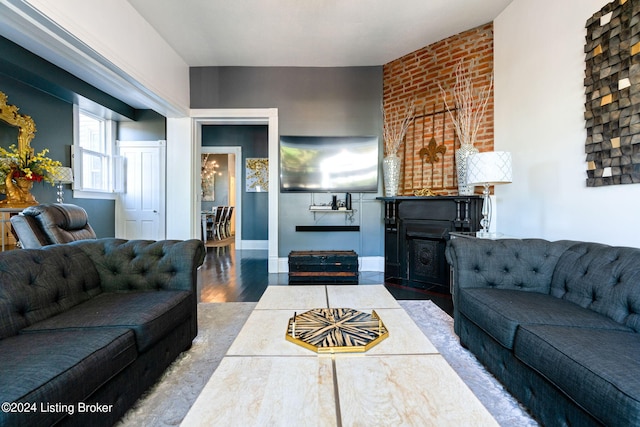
point(254, 245)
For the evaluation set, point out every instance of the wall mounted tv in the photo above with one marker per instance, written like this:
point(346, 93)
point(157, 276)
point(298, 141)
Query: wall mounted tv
point(329, 164)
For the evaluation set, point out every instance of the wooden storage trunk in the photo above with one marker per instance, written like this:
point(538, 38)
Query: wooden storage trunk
point(323, 267)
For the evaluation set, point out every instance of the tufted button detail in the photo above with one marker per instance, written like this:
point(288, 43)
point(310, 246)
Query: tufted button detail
point(22, 310)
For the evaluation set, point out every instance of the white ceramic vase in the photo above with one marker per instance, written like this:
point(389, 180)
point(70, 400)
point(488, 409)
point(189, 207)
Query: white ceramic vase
point(462, 154)
point(391, 174)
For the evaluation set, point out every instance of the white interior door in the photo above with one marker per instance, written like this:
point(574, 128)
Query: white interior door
point(140, 209)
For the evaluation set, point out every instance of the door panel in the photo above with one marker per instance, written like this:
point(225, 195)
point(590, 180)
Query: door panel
point(140, 208)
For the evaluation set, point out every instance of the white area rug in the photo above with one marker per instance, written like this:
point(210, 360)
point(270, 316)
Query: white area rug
point(167, 403)
point(438, 327)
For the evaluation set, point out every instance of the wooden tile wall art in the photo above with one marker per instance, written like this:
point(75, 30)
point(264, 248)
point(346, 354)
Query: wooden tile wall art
point(612, 85)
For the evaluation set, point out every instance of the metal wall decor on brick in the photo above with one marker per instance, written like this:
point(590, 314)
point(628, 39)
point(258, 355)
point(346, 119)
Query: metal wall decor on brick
point(612, 84)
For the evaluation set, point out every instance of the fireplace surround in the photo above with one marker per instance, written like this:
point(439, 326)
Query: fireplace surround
point(416, 234)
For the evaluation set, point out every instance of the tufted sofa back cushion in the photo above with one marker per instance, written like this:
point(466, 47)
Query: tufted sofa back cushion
point(127, 265)
point(602, 278)
point(526, 264)
point(36, 284)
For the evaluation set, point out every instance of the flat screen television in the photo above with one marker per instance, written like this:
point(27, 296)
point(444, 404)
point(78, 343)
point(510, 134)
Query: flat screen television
point(329, 164)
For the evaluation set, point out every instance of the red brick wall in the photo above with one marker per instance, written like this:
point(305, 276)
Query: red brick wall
point(415, 77)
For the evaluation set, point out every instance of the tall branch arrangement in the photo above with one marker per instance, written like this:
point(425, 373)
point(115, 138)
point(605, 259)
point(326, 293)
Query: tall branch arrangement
point(395, 125)
point(470, 104)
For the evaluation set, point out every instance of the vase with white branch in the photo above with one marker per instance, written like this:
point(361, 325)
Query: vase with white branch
point(470, 106)
point(395, 124)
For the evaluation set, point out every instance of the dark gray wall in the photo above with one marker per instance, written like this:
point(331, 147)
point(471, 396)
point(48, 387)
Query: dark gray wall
point(310, 101)
point(254, 143)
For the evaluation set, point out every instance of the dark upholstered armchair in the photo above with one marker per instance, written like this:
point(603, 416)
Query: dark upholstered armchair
point(46, 224)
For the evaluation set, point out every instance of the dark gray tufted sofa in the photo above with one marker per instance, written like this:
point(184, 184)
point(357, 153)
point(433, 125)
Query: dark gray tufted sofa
point(556, 322)
point(93, 322)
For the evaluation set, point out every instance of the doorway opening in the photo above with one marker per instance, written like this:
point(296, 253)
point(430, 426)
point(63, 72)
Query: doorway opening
point(269, 117)
point(221, 195)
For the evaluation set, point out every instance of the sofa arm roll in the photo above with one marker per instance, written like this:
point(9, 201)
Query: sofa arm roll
point(127, 265)
point(526, 264)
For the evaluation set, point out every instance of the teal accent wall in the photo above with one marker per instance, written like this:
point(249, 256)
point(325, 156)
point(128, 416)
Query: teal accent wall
point(53, 118)
point(146, 126)
point(47, 94)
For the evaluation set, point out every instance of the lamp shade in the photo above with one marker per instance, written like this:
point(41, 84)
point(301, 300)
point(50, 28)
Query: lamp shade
point(492, 167)
point(63, 175)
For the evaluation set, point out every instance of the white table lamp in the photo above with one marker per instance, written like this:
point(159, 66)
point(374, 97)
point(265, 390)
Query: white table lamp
point(486, 169)
point(61, 176)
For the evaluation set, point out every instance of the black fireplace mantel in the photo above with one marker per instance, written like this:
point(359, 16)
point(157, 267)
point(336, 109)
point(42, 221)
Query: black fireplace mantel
point(416, 234)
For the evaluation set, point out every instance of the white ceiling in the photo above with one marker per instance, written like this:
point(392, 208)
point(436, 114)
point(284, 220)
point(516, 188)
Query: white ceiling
point(309, 32)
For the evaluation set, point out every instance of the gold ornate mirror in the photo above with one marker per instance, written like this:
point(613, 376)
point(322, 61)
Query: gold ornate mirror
point(18, 194)
point(26, 127)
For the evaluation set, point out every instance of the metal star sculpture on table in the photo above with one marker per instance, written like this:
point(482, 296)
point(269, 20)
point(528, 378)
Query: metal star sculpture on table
point(336, 330)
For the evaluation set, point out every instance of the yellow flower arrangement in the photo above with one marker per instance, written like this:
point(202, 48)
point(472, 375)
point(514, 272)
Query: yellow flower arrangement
point(24, 164)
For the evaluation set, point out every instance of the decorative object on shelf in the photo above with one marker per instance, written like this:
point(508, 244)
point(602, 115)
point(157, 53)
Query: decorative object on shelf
point(469, 105)
point(611, 85)
point(395, 124)
point(391, 174)
point(257, 176)
point(336, 330)
point(462, 155)
point(61, 176)
point(489, 168)
point(424, 192)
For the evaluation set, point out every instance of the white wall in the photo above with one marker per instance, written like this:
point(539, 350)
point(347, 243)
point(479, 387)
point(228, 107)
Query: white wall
point(539, 107)
point(182, 210)
point(117, 32)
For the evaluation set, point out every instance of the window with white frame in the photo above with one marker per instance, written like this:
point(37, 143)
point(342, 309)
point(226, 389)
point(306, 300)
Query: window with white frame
point(94, 159)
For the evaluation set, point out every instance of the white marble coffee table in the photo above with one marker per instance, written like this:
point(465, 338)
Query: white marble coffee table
point(265, 380)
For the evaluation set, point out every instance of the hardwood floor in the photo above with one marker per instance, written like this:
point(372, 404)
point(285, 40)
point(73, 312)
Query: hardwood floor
point(230, 275)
